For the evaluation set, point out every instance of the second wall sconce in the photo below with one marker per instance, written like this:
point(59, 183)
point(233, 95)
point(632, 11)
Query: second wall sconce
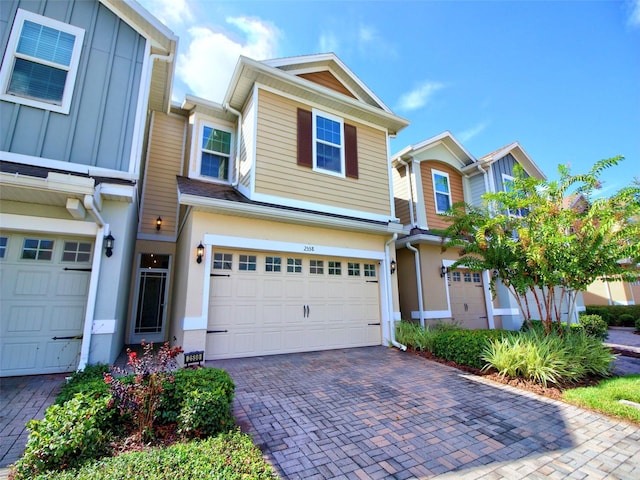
point(199, 252)
point(158, 222)
point(443, 271)
point(393, 265)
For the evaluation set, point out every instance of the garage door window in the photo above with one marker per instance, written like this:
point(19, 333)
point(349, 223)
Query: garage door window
point(353, 269)
point(222, 261)
point(78, 252)
point(369, 270)
point(3, 246)
point(476, 277)
point(247, 263)
point(456, 276)
point(316, 267)
point(273, 264)
point(335, 268)
point(467, 277)
point(294, 265)
point(37, 249)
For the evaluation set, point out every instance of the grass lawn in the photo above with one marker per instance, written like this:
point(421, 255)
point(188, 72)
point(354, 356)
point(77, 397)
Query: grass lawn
point(604, 397)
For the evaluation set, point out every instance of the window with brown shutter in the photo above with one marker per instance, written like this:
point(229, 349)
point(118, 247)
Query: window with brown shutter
point(305, 138)
point(350, 151)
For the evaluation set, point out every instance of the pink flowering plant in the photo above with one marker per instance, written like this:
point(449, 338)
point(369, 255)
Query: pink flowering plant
point(137, 389)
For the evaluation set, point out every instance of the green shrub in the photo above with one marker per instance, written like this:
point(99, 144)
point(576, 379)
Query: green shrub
point(638, 324)
point(594, 326)
point(612, 314)
point(549, 358)
point(89, 380)
point(205, 413)
point(414, 336)
point(231, 456)
point(465, 347)
point(69, 434)
point(188, 380)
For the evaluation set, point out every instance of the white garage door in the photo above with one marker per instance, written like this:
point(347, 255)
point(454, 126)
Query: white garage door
point(468, 306)
point(44, 283)
point(269, 303)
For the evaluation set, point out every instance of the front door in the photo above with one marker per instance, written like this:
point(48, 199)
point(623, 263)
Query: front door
point(151, 298)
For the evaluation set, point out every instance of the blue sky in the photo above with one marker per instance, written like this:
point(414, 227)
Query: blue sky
point(560, 77)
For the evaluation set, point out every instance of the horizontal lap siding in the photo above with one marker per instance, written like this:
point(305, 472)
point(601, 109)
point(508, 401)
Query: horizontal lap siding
point(455, 180)
point(164, 160)
point(278, 174)
point(401, 195)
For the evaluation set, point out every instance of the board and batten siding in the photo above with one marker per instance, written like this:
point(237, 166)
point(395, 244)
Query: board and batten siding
point(278, 174)
point(504, 165)
point(98, 131)
point(455, 185)
point(164, 161)
point(477, 189)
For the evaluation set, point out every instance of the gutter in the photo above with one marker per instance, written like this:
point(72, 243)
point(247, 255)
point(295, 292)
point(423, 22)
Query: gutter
point(228, 108)
point(416, 254)
point(391, 322)
point(89, 204)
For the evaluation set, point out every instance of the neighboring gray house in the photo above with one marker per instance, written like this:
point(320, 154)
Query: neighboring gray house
point(77, 82)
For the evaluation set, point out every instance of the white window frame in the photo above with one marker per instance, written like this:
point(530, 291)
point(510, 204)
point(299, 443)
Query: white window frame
point(318, 113)
point(436, 193)
point(196, 150)
point(11, 54)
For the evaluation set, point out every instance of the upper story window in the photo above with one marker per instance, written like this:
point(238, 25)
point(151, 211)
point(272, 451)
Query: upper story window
point(441, 191)
point(214, 155)
point(507, 186)
point(41, 62)
point(3, 246)
point(327, 144)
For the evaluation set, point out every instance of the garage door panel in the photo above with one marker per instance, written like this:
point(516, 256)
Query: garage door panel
point(219, 342)
point(273, 287)
point(67, 318)
point(23, 318)
point(272, 315)
point(245, 315)
point(272, 341)
point(221, 287)
point(246, 287)
point(72, 285)
point(61, 354)
point(294, 289)
point(21, 357)
point(244, 343)
point(32, 283)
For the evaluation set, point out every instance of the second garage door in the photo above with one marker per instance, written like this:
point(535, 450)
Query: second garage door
point(269, 303)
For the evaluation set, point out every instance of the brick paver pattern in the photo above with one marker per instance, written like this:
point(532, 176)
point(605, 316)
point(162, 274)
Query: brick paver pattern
point(380, 413)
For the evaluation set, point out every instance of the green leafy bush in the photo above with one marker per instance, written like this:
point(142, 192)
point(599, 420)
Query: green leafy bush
point(638, 324)
point(69, 434)
point(594, 326)
point(189, 380)
point(413, 335)
point(465, 347)
point(613, 314)
point(549, 358)
point(89, 380)
point(230, 456)
point(205, 413)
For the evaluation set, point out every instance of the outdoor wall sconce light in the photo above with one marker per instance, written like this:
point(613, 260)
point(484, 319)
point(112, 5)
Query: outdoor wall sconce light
point(158, 222)
point(199, 252)
point(393, 265)
point(443, 271)
point(108, 245)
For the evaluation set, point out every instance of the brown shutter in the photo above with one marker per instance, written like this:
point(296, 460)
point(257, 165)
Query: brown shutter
point(350, 151)
point(305, 138)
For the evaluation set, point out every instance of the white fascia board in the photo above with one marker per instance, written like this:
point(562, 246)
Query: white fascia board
point(65, 166)
point(253, 243)
point(288, 216)
point(23, 181)
point(126, 193)
point(417, 239)
point(10, 221)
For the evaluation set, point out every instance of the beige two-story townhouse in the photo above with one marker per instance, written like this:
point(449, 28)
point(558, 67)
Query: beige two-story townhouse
point(278, 219)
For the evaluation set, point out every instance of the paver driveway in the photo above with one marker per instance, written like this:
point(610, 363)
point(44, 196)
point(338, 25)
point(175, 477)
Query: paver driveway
point(380, 413)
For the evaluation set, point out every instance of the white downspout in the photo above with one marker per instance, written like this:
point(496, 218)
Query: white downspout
point(392, 322)
point(416, 255)
point(93, 282)
point(228, 107)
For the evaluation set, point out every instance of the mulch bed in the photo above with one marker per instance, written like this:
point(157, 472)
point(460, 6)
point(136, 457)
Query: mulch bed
point(554, 392)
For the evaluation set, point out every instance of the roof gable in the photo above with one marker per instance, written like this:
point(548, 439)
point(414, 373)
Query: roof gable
point(516, 150)
point(443, 147)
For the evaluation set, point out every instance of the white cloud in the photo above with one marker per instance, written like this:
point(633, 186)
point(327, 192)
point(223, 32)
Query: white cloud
point(329, 42)
point(634, 13)
point(474, 131)
point(420, 96)
point(210, 57)
point(172, 13)
point(363, 40)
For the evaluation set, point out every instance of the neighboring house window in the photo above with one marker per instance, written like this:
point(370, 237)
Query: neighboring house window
point(294, 265)
point(316, 267)
point(222, 261)
point(3, 246)
point(215, 153)
point(369, 270)
point(41, 62)
point(37, 249)
point(273, 264)
point(441, 190)
point(247, 263)
point(327, 144)
point(76, 252)
point(335, 268)
point(507, 186)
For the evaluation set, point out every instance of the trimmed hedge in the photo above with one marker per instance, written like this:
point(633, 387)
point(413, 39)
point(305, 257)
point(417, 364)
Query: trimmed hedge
point(465, 347)
point(616, 315)
point(231, 456)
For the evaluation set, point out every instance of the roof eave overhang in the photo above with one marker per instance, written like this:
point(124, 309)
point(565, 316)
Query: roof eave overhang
point(237, 95)
point(287, 216)
point(419, 238)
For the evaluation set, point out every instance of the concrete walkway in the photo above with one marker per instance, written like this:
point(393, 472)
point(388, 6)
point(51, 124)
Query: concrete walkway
point(380, 413)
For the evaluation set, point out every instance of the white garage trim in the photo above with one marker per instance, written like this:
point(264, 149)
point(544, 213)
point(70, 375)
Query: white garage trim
point(22, 223)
